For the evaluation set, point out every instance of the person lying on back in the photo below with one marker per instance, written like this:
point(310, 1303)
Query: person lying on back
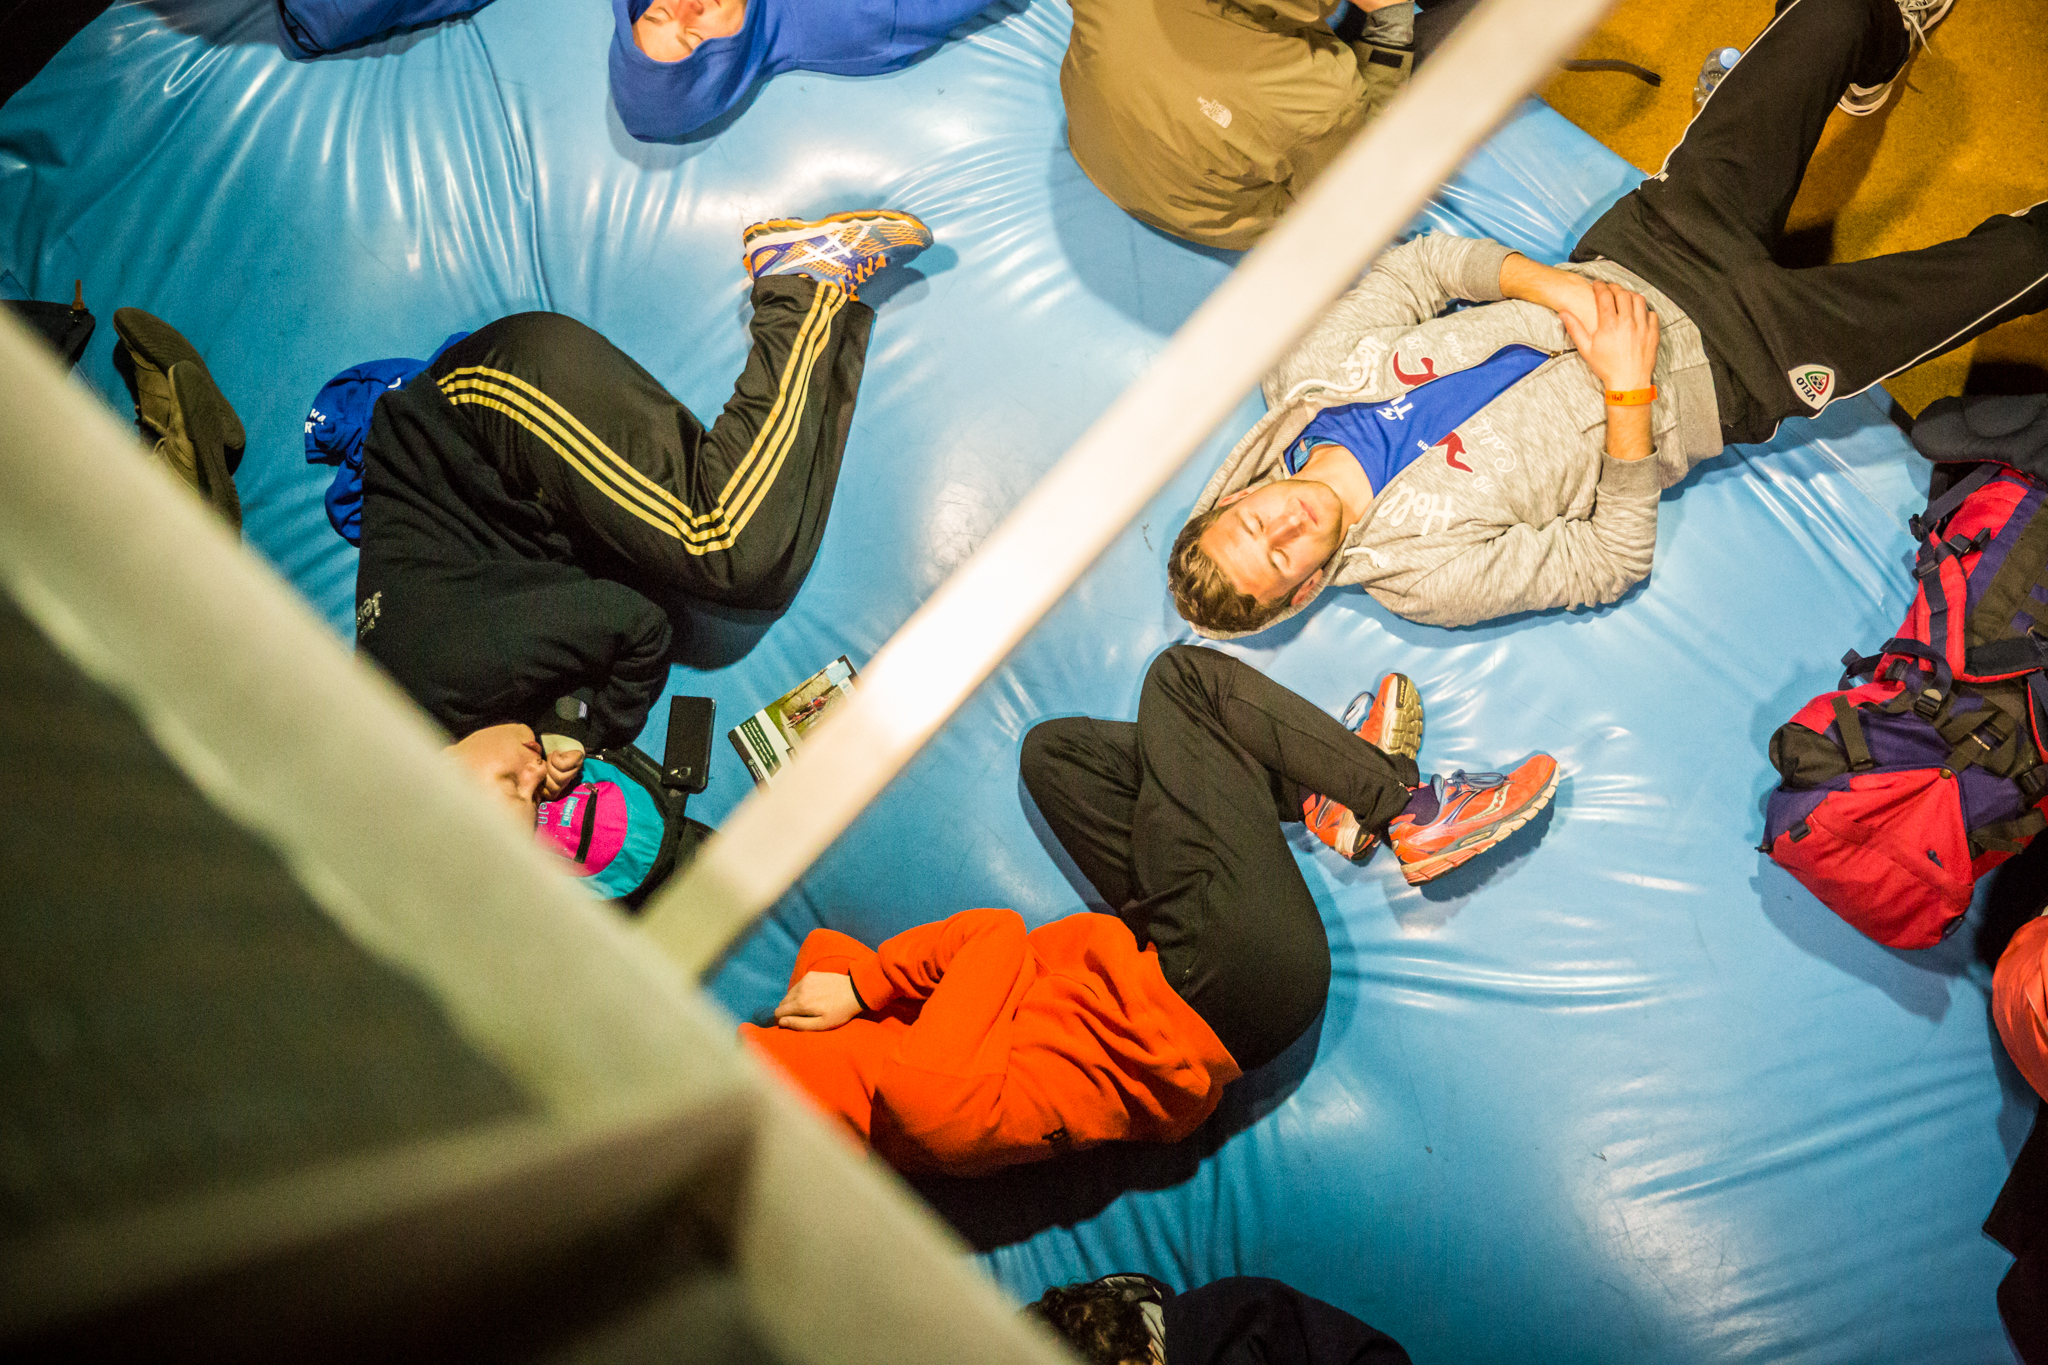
point(1463, 466)
point(676, 65)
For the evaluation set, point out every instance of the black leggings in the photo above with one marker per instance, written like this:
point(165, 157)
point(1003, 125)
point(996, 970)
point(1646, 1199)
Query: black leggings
point(1176, 821)
point(731, 515)
point(1784, 342)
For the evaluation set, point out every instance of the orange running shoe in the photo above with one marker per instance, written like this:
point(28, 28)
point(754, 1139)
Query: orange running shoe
point(1393, 724)
point(1475, 811)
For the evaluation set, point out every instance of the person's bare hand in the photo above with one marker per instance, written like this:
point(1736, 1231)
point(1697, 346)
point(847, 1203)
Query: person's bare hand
point(819, 1001)
point(1621, 347)
point(564, 767)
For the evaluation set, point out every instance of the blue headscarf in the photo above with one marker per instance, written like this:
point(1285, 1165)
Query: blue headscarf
point(658, 100)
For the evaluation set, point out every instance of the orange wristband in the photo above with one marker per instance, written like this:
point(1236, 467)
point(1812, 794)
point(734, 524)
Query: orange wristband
point(1631, 398)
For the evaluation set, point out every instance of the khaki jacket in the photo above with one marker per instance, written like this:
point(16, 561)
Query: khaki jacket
point(1206, 118)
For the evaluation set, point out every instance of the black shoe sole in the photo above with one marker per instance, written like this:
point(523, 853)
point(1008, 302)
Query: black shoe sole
point(207, 416)
point(163, 346)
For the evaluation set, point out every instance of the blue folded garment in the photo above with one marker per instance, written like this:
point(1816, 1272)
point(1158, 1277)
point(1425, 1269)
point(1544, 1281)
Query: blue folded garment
point(310, 28)
point(339, 421)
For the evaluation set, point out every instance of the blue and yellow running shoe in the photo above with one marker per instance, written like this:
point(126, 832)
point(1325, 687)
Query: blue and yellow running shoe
point(845, 249)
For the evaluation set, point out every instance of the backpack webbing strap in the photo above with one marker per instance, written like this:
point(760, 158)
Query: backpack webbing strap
point(2007, 836)
point(1929, 567)
point(1853, 742)
point(1943, 507)
point(1856, 666)
point(1929, 558)
point(1975, 748)
point(589, 825)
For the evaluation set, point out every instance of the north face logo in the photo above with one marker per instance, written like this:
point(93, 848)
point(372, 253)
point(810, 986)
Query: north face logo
point(1214, 110)
point(1814, 384)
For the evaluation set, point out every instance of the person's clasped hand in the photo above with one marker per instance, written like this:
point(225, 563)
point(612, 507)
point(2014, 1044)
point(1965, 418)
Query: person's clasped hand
point(819, 1001)
point(565, 765)
point(1621, 347)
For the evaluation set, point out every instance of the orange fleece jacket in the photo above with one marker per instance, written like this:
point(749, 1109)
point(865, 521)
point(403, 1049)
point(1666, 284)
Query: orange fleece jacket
point(984, 1046)
point(2019, 1001)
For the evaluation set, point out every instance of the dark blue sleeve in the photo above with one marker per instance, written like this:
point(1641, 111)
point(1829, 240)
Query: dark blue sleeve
point(932, 20)
point(1248, 1320)
point(309, 28)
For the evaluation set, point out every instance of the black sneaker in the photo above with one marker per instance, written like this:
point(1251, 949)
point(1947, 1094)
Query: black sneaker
point(1919, 15)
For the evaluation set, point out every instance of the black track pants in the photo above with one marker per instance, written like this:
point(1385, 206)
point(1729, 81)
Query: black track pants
point(731, 515)
point(1786, 343)
point(1176, 821)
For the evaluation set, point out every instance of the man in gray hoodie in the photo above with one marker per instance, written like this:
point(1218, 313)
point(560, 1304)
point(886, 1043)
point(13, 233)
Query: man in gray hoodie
point(1507, 458)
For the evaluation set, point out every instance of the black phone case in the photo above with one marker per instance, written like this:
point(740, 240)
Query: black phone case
point(686, 761)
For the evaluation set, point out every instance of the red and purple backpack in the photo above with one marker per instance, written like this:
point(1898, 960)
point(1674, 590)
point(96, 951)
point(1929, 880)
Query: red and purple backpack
point(1900, 791)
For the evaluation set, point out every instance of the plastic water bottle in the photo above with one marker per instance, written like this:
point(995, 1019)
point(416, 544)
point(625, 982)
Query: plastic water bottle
point(1719, 63)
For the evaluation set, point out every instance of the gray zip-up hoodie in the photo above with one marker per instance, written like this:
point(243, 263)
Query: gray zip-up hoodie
point(1521, 508)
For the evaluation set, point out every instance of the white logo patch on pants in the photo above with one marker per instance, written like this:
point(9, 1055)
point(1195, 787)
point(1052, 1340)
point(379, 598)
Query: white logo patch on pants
point(1815, 384)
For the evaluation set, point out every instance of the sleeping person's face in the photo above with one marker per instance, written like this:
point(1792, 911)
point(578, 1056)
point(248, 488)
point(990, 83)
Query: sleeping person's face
point(669, 30)
point(510, 764)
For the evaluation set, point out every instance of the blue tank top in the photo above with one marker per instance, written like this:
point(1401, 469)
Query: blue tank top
point(1385, 438)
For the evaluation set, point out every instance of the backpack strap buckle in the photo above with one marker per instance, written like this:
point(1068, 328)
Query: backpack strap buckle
point(1927, 562)
point(1975, 748)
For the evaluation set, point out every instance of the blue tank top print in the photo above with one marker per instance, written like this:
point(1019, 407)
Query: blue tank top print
point(1385, 438)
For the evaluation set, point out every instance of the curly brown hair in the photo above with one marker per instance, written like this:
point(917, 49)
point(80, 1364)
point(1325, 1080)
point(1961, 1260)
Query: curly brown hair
point(1202, 595)
point(1103, 1324)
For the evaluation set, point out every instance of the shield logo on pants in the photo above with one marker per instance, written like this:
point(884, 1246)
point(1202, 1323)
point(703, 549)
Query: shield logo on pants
point(1814, 384)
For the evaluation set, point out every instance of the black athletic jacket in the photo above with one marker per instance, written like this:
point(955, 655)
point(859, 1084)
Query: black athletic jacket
point(469, 595)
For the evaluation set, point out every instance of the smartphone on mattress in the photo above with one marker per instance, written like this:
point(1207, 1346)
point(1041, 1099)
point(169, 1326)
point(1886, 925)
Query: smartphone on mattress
point(686, 762)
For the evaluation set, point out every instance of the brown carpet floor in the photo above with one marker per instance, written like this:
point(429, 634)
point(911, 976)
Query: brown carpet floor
point(1965, 138)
